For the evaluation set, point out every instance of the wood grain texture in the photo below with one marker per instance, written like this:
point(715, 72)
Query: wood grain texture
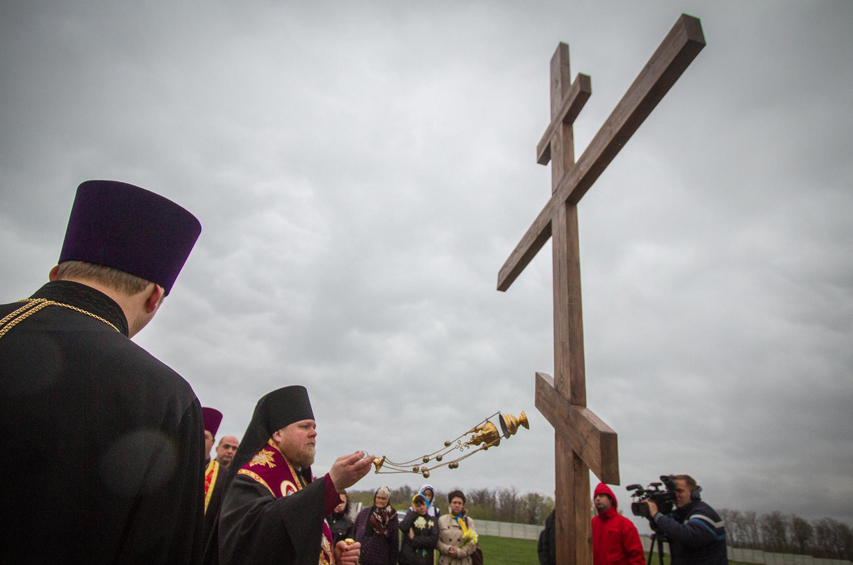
point(564, 501)
point(684, 41)
point(569, 368)
point(563, 140)
point(573, 543)
point(583, 523)
point(591, 439)
point(576, 98)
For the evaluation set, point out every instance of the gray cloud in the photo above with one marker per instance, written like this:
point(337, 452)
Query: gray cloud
point(362, 173)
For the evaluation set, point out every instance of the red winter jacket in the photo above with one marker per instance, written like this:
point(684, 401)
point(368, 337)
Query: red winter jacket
point(615, 540)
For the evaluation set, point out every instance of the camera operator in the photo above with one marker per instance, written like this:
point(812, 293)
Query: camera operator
point(694, 530)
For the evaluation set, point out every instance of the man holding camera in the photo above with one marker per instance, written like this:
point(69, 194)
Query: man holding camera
point(695, 531)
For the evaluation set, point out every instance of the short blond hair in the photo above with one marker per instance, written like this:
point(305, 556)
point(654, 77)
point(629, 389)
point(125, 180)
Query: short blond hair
point(107, 276)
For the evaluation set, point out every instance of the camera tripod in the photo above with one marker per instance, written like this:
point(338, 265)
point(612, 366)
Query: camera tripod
point(660, 539)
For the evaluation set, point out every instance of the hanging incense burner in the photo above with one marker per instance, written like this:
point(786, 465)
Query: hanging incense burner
point(483, 436)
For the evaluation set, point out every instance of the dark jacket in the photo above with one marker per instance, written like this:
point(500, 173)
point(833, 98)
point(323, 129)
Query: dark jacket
point(419, 549)
point(341, 526)
point(547, 546)
point(615, 540)
point(107, 464)
point(696, 535)
point(376, 549)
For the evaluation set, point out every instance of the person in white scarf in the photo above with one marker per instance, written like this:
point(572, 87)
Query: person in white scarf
point(428, 492)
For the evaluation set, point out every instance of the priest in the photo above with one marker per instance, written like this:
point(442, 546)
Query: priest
point(107, 465)
point(214, 473)
point(274, 510)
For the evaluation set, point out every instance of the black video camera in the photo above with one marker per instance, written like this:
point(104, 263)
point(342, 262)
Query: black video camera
point(663, 498)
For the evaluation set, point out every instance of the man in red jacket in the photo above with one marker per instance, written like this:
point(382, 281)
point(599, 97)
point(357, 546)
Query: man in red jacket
point(615, 540)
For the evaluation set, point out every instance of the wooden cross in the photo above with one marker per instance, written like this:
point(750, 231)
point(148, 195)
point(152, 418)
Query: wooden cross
point(583, 442)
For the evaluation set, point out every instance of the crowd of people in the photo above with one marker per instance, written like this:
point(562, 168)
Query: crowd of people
point(116, 466)
point(385, 539)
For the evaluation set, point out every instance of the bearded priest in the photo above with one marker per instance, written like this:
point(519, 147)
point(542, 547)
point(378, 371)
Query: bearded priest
point(274, 511)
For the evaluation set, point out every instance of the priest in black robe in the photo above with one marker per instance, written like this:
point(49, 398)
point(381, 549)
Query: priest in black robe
point(215, 474)
point(106, 464)
point(274, 511)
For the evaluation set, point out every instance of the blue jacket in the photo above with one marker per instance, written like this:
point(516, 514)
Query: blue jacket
point(696, 535)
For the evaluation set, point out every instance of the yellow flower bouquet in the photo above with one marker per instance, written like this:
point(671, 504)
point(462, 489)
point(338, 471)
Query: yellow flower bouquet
point(468, 535)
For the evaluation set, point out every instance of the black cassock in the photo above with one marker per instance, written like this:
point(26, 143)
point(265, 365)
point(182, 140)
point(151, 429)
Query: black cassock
point(216, 491)
point(103, 458)
point(256, 528)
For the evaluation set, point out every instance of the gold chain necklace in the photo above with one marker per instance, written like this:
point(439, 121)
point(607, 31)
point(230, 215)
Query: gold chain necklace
point(33, 305)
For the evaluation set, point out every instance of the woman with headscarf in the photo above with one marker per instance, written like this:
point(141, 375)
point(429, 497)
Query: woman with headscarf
point(428, 493)
point(457, 539)
point(376, 529)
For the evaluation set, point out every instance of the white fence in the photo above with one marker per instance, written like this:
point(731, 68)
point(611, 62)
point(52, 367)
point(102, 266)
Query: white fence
point(507, 529)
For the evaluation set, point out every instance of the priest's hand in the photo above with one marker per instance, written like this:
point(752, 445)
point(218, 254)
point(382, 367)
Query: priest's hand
point(349, 469)
point(347, 553)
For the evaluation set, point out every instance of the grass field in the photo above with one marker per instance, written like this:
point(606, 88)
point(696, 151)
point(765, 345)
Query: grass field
point(507, 551)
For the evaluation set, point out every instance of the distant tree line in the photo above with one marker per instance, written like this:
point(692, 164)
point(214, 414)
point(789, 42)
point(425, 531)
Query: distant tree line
point(774, 531)
point(788, 533)
point(500, 505)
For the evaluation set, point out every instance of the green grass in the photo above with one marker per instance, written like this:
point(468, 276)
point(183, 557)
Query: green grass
point(507, 551)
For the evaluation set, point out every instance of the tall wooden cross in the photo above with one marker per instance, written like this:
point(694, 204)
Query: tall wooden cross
point(583, 442)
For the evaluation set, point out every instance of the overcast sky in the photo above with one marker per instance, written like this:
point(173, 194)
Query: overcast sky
point(363, 169)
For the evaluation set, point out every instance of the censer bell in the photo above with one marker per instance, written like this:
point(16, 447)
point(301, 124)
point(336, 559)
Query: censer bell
point(483, 436)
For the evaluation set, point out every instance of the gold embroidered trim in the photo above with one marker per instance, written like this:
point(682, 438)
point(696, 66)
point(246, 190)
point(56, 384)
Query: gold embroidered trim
point(32, 306)
point(326, 554)
point(263, 457)
point(215, 472)
point(257, 477)
point(293, 472)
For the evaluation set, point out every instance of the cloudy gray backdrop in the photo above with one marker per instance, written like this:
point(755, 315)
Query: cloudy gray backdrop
point(362, 171)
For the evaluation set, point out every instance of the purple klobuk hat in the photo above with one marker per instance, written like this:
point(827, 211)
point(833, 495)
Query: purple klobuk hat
point(212, 418)
point(131, 229)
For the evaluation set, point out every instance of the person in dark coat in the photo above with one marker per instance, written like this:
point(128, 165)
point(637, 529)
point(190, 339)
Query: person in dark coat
point(695, 532)
point(547, 546)
point(419, 534)
point(339, 521)
point(274, 511)
point(107, 465)
point(376, 529)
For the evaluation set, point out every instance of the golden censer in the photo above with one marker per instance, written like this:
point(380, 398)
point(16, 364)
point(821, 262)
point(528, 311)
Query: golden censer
point(483, 436)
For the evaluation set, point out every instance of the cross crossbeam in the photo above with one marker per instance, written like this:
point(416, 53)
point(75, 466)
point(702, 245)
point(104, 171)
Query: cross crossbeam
point(577, 96)
point(593, 440)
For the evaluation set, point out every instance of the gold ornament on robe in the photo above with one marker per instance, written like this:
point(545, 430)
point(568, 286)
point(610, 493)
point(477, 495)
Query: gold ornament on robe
point(483, 436)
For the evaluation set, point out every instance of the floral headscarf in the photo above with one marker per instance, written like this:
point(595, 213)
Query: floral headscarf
point(380, 517)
